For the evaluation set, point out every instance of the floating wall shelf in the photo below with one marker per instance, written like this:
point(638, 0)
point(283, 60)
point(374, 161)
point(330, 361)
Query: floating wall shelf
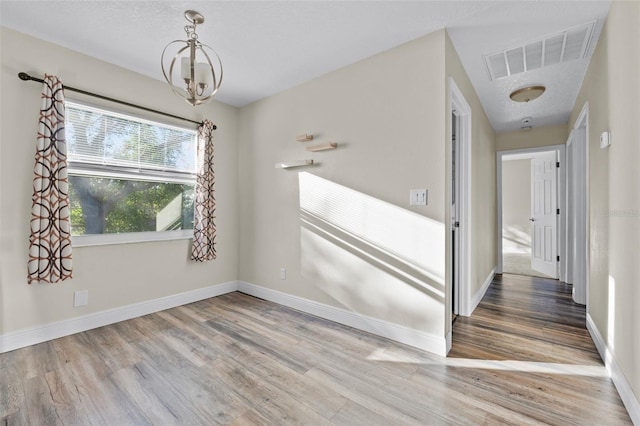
point(292, 164)
point(304, 138)
point(330, 145)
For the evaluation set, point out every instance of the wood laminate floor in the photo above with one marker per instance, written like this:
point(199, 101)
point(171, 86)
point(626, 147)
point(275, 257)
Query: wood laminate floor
point(524, 357)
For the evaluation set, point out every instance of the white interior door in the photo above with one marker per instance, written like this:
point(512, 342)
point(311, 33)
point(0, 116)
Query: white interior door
point(544, 218)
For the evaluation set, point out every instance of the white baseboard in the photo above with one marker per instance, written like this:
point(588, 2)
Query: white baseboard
point(477, 298)
point(54, 330)
point(448, 341)
point(629, 399)
point(409, 336)
point(416, 338)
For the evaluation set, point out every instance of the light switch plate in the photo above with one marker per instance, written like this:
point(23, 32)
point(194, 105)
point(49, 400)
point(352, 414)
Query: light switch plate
point(418, 197)
point(605, 139)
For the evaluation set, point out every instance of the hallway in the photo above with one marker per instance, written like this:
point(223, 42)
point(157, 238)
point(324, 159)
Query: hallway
point(528, 345)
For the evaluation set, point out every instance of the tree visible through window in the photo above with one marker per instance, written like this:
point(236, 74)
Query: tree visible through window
point(127, 174)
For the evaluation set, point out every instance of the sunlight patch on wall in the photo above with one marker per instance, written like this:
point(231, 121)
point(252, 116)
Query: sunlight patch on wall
point(364, 284)
point(516, 240)
point(371, 256)
point(413, 238)
point(611, 314)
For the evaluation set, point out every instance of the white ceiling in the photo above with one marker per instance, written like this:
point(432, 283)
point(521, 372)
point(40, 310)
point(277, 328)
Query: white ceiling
point(269, 46)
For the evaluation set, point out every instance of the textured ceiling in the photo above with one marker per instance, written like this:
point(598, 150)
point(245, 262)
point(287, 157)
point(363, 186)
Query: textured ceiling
point(269, 46)
point(513, 24)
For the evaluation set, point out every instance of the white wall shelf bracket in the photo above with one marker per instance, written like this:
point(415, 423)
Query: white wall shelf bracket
point(292, 164)
point(304, 138)
point(325, 147)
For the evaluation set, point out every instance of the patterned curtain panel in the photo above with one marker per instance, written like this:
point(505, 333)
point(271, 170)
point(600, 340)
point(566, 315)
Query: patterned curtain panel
point(204, 228)
point(50, 240)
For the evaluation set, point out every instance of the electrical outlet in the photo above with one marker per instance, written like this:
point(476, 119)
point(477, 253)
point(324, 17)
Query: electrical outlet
point(418, 197)
point(80, 298)
point(283, 274)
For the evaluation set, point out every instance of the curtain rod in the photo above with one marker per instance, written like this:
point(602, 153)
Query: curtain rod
point(26, 77)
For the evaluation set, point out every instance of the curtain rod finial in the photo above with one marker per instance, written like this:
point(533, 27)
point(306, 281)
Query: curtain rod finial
point(24, 76)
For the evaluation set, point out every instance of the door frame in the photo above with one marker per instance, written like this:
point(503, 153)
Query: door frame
point(579, 260)
point(461, 288)
point(560, 194)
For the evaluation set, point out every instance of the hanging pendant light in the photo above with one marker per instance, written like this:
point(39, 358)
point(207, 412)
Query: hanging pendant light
point(192, 74)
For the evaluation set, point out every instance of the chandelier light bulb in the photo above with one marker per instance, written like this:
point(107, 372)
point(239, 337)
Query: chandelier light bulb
point(199, 76)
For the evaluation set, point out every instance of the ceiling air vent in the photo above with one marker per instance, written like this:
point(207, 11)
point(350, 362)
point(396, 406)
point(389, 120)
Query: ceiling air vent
point(565, 46)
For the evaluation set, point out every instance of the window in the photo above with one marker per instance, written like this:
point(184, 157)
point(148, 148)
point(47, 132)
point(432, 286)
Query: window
point(130, 179)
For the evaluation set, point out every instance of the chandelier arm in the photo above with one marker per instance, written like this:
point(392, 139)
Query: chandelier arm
point(217, 83)
point(213, 70)
point(174, 88)
point(192, 86)
point(162, 60)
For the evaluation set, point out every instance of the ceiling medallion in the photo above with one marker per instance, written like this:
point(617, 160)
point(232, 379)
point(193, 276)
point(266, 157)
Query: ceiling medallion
point(527, 94)
point(190, 71)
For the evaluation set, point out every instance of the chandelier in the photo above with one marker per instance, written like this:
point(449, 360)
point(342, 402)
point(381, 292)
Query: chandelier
point(199, 79)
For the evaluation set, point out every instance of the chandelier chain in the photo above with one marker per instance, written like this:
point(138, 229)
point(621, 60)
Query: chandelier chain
point(191, 31)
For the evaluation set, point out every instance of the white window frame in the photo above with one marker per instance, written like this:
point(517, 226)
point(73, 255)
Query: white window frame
point(132, 173)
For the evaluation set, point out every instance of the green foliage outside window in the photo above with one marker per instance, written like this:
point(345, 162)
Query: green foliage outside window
point(111, 206)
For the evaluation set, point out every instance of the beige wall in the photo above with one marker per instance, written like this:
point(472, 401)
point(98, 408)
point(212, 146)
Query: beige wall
point(387, 115)
point(336, 226)
point(116, 275)
point(612, 89)
point(483, 178)
point(516, 204)
point(538, 136)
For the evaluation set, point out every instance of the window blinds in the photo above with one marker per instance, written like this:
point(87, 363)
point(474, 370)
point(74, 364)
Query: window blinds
point(104, 138)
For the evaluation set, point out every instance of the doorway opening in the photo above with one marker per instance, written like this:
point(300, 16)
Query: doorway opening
point(531, 213)
point(577, 237)
point(455, 214)
point(459, 203)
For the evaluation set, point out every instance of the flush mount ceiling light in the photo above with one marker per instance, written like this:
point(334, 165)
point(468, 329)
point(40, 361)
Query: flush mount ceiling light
point(199, 78)
point(527, 94)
